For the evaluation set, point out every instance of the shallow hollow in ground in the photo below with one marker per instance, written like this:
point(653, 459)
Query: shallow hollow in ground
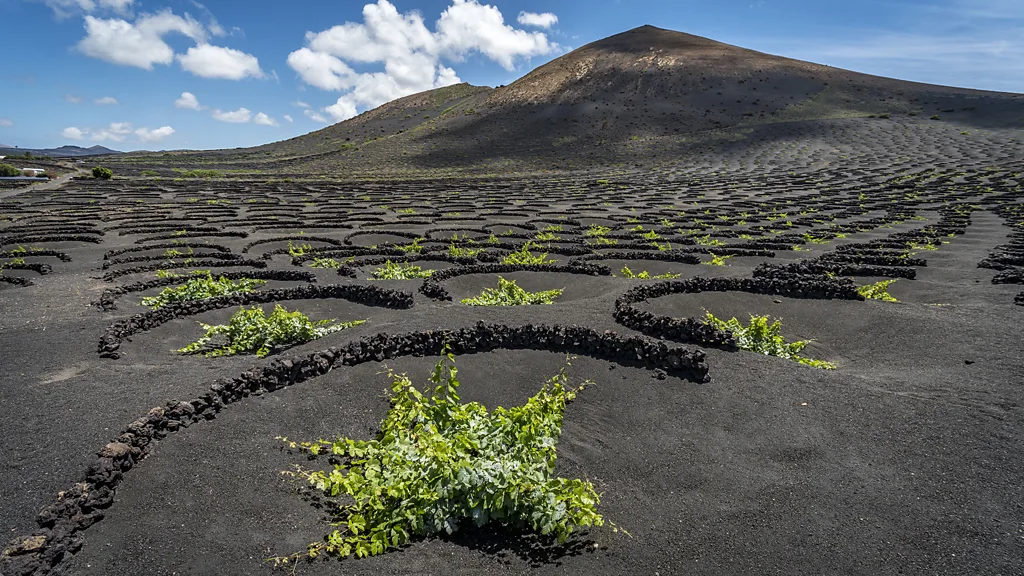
point(216, 490)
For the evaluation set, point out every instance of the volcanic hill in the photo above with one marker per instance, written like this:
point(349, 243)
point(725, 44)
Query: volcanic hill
point(647, 95)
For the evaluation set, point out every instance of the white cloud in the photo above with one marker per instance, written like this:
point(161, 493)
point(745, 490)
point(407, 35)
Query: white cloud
point(116, 131)
point(411, 54)
point(321, 70)
point(155, 135)
point(240, 116)
point(341, 110)
point(300, 104)
point(219, 62)
point(545, 20)
point(72, 98)
point(139, 44)
point(286, 117)
point(315, 116)
point(468, 26)
point(7, 122)
point(188, 101)
point(72, 133)
point(105, 101)
point(263, 119)
point(67, 8)
point(119, 6)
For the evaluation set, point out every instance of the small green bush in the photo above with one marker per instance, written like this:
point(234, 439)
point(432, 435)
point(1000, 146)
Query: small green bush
point(325, 263)
point(202, 287)
point(400, 271)
point(764, 338)
point(877, 291)
point(459, 252)
point(149, 173)
point(645, 275)
point(508, 293)
point(252, 331)
point(716, 260)
point(413, 247)
point(298, 249)
point(437, 462)
point(526, 257)
point(9, 171)
point(102, 173)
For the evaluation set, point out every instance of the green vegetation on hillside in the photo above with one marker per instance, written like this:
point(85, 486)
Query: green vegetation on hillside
point(438, 465)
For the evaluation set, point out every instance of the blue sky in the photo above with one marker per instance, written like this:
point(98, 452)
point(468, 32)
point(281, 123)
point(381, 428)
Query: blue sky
point(168, 74)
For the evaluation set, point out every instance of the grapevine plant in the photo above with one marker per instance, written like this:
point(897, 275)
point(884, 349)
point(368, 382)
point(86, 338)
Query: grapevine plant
point(400, 271)
point(764, 338)
point(508, 293)
point(645, 275)
point(325, 263)
point(252, 331)
point(525, 257)
point(200, 287)
point(461, 252)
point(716, 260)
point(438, 464)
point(877, 291)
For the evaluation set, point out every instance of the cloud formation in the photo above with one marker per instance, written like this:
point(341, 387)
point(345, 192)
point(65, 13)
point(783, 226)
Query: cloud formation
point(117, 132)
point(106, 101)
point(240, 116)
point(263, 119)
point(243, 116)
point(68, 8)
point(72, 133)
point(7, 122)
point(315, 116)
point(545, 20)
point(219, 62)
point(156, 135)
point(411, 54)
point(142, 44)
point(188, 101)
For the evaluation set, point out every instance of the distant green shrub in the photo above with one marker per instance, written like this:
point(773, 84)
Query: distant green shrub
point(645, 275)
point(877, 291)
point(400, 271)
point(764, 338)
point(508, 293)
point(149, 173)
point(252, 331)
point(8, 170)
point(102, 173)
point(202, 287)
point(525, 257)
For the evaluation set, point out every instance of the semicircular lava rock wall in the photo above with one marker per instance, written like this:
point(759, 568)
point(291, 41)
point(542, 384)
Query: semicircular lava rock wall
point(112, 337)
point(62, 523)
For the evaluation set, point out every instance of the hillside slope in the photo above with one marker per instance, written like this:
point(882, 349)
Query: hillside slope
point(647, 94)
